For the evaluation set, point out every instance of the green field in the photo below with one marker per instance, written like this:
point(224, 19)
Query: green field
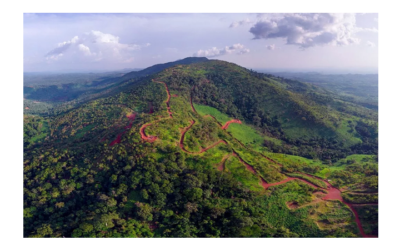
point(207, 110)
point(243, 132)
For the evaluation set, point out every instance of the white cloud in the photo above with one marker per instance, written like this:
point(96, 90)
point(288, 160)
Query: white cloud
point(85, 49)
point(240, 23)
point(308, 30)
point(373, 30)
point(94, 46)
point(270, 47)
point(237, 48)
point(371, 44)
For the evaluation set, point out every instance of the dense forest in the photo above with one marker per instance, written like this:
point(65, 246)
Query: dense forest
point(163, 154)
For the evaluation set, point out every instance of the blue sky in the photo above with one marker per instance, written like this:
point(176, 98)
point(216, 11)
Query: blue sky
point(85, 42)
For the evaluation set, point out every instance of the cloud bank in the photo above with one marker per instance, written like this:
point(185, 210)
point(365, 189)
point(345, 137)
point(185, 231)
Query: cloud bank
point(94, 46)
point(240, 23)
point(238, 48)
point(308, 30)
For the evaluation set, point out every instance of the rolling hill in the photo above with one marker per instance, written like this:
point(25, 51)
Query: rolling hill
point(202, 148)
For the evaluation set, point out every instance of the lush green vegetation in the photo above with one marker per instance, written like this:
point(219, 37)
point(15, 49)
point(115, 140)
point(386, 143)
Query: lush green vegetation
point(312, 180)
point(360, 198)
point(36, 129)
point(358, 172)
point(88, 172)
point(369, 218)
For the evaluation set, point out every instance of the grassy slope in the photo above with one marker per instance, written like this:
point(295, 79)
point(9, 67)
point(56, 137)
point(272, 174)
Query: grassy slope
point(243, 132)
point(254, 139)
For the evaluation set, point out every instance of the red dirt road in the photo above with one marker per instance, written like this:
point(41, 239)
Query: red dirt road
point(231, 121)
point(248, 166)
point(333, 194)
point(169, 97)
point(222, 164)
point(181, 141)
point(143, 135)
point(358, 222)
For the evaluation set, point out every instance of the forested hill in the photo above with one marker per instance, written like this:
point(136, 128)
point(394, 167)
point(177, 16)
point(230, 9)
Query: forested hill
point(153, 69)
point(64, 92)
point(295, 112)
point(208, 149)
point(159, 67)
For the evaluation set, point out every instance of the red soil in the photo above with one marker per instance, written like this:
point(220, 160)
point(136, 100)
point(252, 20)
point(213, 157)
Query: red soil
point(116, 141)
point(248, 166)
point(267, 185)
point(131, 118)
point(26, 107)
point(222, 165)
point(183, 136)
point(149, 138)
point(292, 205)
point(210, 147)
point(231, 121)
point(174, 95)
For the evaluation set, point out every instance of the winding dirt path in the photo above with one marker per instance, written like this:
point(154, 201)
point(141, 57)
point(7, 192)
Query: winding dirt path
point(221, 167)
point(169, 97)
point(143, 135)
point(332, 192)
point(151, 138)
point(182, 146)
point(231, 121)
point(248, 166)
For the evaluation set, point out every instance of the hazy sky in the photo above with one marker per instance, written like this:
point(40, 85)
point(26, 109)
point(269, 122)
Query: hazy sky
point(84, 42)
